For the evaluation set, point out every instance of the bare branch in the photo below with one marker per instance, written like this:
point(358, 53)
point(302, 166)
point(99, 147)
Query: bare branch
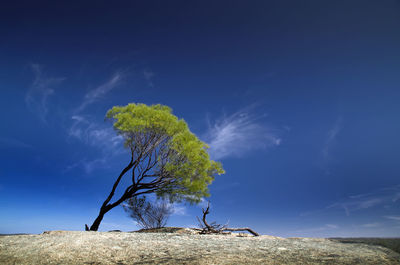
point(146, 192)
point(242, 229)
point(214, 228)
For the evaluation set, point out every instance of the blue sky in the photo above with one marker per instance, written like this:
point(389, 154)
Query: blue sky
point(298, 99)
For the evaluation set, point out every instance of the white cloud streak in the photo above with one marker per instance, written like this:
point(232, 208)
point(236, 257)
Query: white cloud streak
point(94, 134)
point(178, 209)
point(88, 165)
point(386, 196)
point(148, 75)
point(396, 197)
point(203, 203)
point(331, 137)
point(99, 92)
point(371, 225)
point(355, 205)
point(238, 134)
point(318, 228)
point(14, 143)
point(36, 98)
point(395, 218)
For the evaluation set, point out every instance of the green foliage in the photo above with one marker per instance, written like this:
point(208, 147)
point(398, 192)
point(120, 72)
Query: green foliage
point(183, 168)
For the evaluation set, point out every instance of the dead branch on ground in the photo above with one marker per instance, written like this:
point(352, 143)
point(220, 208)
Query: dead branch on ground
point(214, 228)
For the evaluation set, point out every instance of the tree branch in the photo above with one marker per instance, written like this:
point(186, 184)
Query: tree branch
point(216, 228)
point(145, 192)
point(130, 165)
point(242, 229)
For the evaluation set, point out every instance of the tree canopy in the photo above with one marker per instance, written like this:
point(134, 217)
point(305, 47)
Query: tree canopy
point(166, 157)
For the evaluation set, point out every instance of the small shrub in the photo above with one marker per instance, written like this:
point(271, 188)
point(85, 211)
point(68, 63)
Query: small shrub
point(146, 214)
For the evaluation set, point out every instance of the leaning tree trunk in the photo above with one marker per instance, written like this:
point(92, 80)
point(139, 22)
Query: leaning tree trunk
point(97, 221)
point(107, 207)
point(130, 191)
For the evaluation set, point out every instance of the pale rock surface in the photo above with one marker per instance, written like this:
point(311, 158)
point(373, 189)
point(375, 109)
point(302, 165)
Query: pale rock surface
point(183, 246)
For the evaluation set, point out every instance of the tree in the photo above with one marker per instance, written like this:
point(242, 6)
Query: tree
point(165, 157)
point(148, 215)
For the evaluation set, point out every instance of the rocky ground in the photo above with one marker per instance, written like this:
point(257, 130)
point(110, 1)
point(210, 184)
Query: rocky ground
point(183, 246)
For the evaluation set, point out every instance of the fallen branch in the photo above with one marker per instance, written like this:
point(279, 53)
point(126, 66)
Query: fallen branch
point(214, 228)
point(242, 229)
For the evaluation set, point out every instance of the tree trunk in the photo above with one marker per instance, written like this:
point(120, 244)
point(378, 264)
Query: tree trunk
point(96, 223)
point(106, 208)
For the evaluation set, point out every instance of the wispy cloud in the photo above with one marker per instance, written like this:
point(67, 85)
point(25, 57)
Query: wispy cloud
point(100, 91)
point(318, 228)
point(371, 225)
point(331, 137)
point(89, 165)
point(396, 218)
point(97, 136)
point(240, 133)
point(94, 134)
point(375, 203)
point(381, 197)
point(36, 98)
point(357, 204)
point(148, 75)
point(178, 209)
point(203, 203)
point(13, 143)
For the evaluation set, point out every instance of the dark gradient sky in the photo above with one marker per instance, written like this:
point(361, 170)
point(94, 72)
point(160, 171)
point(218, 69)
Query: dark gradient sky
point(298, 99)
